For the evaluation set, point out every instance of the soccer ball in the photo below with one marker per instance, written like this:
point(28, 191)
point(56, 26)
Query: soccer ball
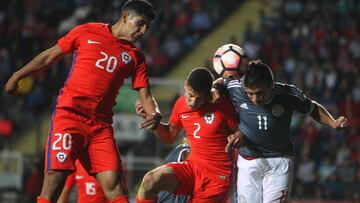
point(230, 60)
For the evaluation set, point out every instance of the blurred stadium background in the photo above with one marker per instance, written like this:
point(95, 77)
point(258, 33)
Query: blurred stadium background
point(312, 44)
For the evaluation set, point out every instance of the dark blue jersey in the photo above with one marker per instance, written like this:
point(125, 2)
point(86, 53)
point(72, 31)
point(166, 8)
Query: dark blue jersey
point(175, 155)
point(267, 128)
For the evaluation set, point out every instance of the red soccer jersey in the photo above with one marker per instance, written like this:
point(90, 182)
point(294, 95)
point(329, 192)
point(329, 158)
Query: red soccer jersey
point(207, 129)
point(100, 65)
point(89, 189)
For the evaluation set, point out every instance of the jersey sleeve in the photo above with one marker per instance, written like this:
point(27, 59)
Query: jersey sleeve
point(174, 119)
point(70, 41)
point(231, 116)
point(140, 77)
point(234, 89)
point(301, 102)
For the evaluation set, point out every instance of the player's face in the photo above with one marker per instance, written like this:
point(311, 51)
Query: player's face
point(194, 99)
point(136, 26)
point(259, 94)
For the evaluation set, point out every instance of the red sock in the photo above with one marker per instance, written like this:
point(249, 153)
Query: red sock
point(120, 199)
point(42, 200)
point(145, 200)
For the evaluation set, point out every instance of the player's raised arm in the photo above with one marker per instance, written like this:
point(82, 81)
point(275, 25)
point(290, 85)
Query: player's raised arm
point(219, 83)
point(165, 132)
point(217, 90)
point(321, 115)
point(139, 110)
point(40, 62)
point(151, 108)
point(148, 102)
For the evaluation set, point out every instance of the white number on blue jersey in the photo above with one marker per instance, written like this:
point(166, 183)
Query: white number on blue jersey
point(262, 121)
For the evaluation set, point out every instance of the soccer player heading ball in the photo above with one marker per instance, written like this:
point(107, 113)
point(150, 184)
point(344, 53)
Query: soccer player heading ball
point(265, 108)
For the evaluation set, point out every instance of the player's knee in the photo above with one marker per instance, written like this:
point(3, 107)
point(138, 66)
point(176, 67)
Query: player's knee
point(108, 180)
point(151, 181)
point(111, 184)
point(113, 192)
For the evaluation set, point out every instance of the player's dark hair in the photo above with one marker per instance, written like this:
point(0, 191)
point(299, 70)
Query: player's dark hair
point(201, 80)
point(257, 72)
point(141, 7)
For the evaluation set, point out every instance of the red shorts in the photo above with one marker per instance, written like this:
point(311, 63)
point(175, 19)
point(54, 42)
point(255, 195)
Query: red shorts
point(74, 136)
point(194, 181)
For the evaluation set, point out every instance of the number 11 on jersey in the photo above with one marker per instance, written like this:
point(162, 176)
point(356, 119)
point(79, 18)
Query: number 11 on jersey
point(262, 121)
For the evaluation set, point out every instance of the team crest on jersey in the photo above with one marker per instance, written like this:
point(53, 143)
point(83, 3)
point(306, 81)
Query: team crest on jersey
point(125, 57)
point(277, 110)
point(61, 157)
point(209, 118)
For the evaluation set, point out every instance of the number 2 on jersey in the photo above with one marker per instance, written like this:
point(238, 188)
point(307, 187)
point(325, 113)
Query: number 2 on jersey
point(197, 130)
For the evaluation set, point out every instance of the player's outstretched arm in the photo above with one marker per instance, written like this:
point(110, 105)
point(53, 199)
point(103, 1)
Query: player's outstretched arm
point(139, 110)
point(164, 132)
point(167, 133)
point(40, 62)
point(217, 90)
point(151, 108)
point(321, 115)
point(219, 82)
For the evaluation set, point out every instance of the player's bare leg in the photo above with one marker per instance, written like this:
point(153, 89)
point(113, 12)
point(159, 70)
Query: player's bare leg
point(53, 184)
point(160, 179)
point(111, 184)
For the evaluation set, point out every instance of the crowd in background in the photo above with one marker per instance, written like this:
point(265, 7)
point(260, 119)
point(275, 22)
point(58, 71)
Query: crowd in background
point(316, 46)
point(28, 27)
point(312, 44)
point(31, 26)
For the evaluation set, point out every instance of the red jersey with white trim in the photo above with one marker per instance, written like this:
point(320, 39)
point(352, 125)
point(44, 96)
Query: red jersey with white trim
point(207, 129)
point(88, 188)
point(100, 65)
